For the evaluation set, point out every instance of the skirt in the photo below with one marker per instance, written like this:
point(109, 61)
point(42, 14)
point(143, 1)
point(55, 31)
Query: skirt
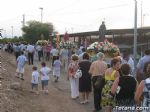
point(107, 99)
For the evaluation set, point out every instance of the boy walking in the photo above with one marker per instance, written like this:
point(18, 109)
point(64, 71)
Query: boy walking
point(21, 60)
point(56, 68)
point(45, 71)
point(35, 80)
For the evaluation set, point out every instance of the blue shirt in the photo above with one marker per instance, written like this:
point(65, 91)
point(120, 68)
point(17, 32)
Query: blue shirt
point(64, 53)
point(21, 61)
point(57, 64)
point(142, 62)
point(17, 49)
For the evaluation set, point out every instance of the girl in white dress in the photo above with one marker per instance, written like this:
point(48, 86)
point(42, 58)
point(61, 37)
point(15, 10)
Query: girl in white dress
point(74, 82)
point(56, 68)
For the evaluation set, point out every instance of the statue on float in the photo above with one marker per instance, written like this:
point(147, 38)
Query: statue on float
point(102, 32)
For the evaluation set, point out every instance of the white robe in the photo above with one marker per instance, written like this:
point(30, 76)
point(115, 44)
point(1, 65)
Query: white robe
point(74, 83)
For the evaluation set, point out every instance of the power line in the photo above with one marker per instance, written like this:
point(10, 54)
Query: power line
point(95, 10)
point(65, 7)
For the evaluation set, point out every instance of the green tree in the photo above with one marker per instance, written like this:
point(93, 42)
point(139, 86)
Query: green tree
point(36, 31)
point(15, 39)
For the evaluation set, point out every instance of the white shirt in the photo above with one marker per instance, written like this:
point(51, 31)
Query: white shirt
point(45, 73)
point(38, 48)
point(54, 52)
point(22, 46)
point(130, 62)
point(21, 61)
point(35, 77)
point(30, 48)
point(81, 56)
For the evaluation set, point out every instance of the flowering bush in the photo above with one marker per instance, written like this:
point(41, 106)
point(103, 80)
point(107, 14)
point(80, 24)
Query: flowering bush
point(67, 44)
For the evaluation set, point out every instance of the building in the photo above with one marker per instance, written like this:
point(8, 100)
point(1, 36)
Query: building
point(122, 37)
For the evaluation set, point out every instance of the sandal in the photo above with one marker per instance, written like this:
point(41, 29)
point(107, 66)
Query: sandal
point(86, 101)
point(82, 102)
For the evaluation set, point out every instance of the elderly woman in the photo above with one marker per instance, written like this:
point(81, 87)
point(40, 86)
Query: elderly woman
point(73, 67)
point(124, 87)
point(97, 71)
point(85, 80)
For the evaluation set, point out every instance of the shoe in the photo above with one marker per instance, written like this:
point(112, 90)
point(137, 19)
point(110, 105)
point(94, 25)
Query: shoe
point(22, 78)
point(77, 97)
point(46, 92)
point(82, 102)
point(86, 101)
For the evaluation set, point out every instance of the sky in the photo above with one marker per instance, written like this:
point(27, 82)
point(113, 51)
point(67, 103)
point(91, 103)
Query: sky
point(72, 15)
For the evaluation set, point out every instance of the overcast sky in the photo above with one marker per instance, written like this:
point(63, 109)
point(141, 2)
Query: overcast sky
point(72, 15)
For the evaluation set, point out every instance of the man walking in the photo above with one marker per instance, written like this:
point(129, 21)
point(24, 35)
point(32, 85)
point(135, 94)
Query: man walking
point(30, 50)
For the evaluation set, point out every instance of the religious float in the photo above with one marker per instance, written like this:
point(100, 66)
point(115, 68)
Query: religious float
point(109, 49)
point(67, 44)
point(42, 42)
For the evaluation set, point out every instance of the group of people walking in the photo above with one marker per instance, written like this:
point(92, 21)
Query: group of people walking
point(117, 83)
point(114, 85)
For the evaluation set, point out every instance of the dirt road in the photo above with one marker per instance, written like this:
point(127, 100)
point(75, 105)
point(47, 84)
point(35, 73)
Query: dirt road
point(58, 99)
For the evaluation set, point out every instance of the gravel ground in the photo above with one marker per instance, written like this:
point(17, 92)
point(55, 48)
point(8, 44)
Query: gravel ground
point(22, 100)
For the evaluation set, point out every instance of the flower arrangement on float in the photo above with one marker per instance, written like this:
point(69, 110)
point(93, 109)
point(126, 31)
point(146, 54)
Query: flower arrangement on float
point(108, 48)
point(42, 42)
point(67, 44)
point(105, 47)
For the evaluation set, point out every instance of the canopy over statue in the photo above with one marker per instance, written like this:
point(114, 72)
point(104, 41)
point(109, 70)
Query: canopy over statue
point(102, 31)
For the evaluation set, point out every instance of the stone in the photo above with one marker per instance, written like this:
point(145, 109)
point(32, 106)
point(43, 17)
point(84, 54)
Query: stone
point(1, 78)
point(16, 86)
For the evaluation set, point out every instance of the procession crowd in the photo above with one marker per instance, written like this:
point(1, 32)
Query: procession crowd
point(118, 83)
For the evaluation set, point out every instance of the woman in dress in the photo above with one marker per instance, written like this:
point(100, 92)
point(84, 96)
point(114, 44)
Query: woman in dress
point(74, 82)
point(57, 68)
point(124, 87)
point(85, 80)
point(110, 75)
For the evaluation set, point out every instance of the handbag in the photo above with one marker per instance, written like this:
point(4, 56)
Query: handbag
point(100, 82)
point(78, 74)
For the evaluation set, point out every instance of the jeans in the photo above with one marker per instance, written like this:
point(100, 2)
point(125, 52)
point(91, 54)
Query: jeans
point(30, 58)
point(39, 55)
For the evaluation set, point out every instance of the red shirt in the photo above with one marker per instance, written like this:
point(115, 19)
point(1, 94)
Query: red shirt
point(48, 48)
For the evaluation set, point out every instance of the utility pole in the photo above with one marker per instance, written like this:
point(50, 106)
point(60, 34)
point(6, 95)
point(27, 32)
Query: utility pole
point(144, 15)
point(12, 31)
point(23, 21)
point(41, 8)
point(141, 14)
point(135, 34)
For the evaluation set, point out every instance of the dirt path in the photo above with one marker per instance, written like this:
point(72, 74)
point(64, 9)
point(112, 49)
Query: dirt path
point(58, 99)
